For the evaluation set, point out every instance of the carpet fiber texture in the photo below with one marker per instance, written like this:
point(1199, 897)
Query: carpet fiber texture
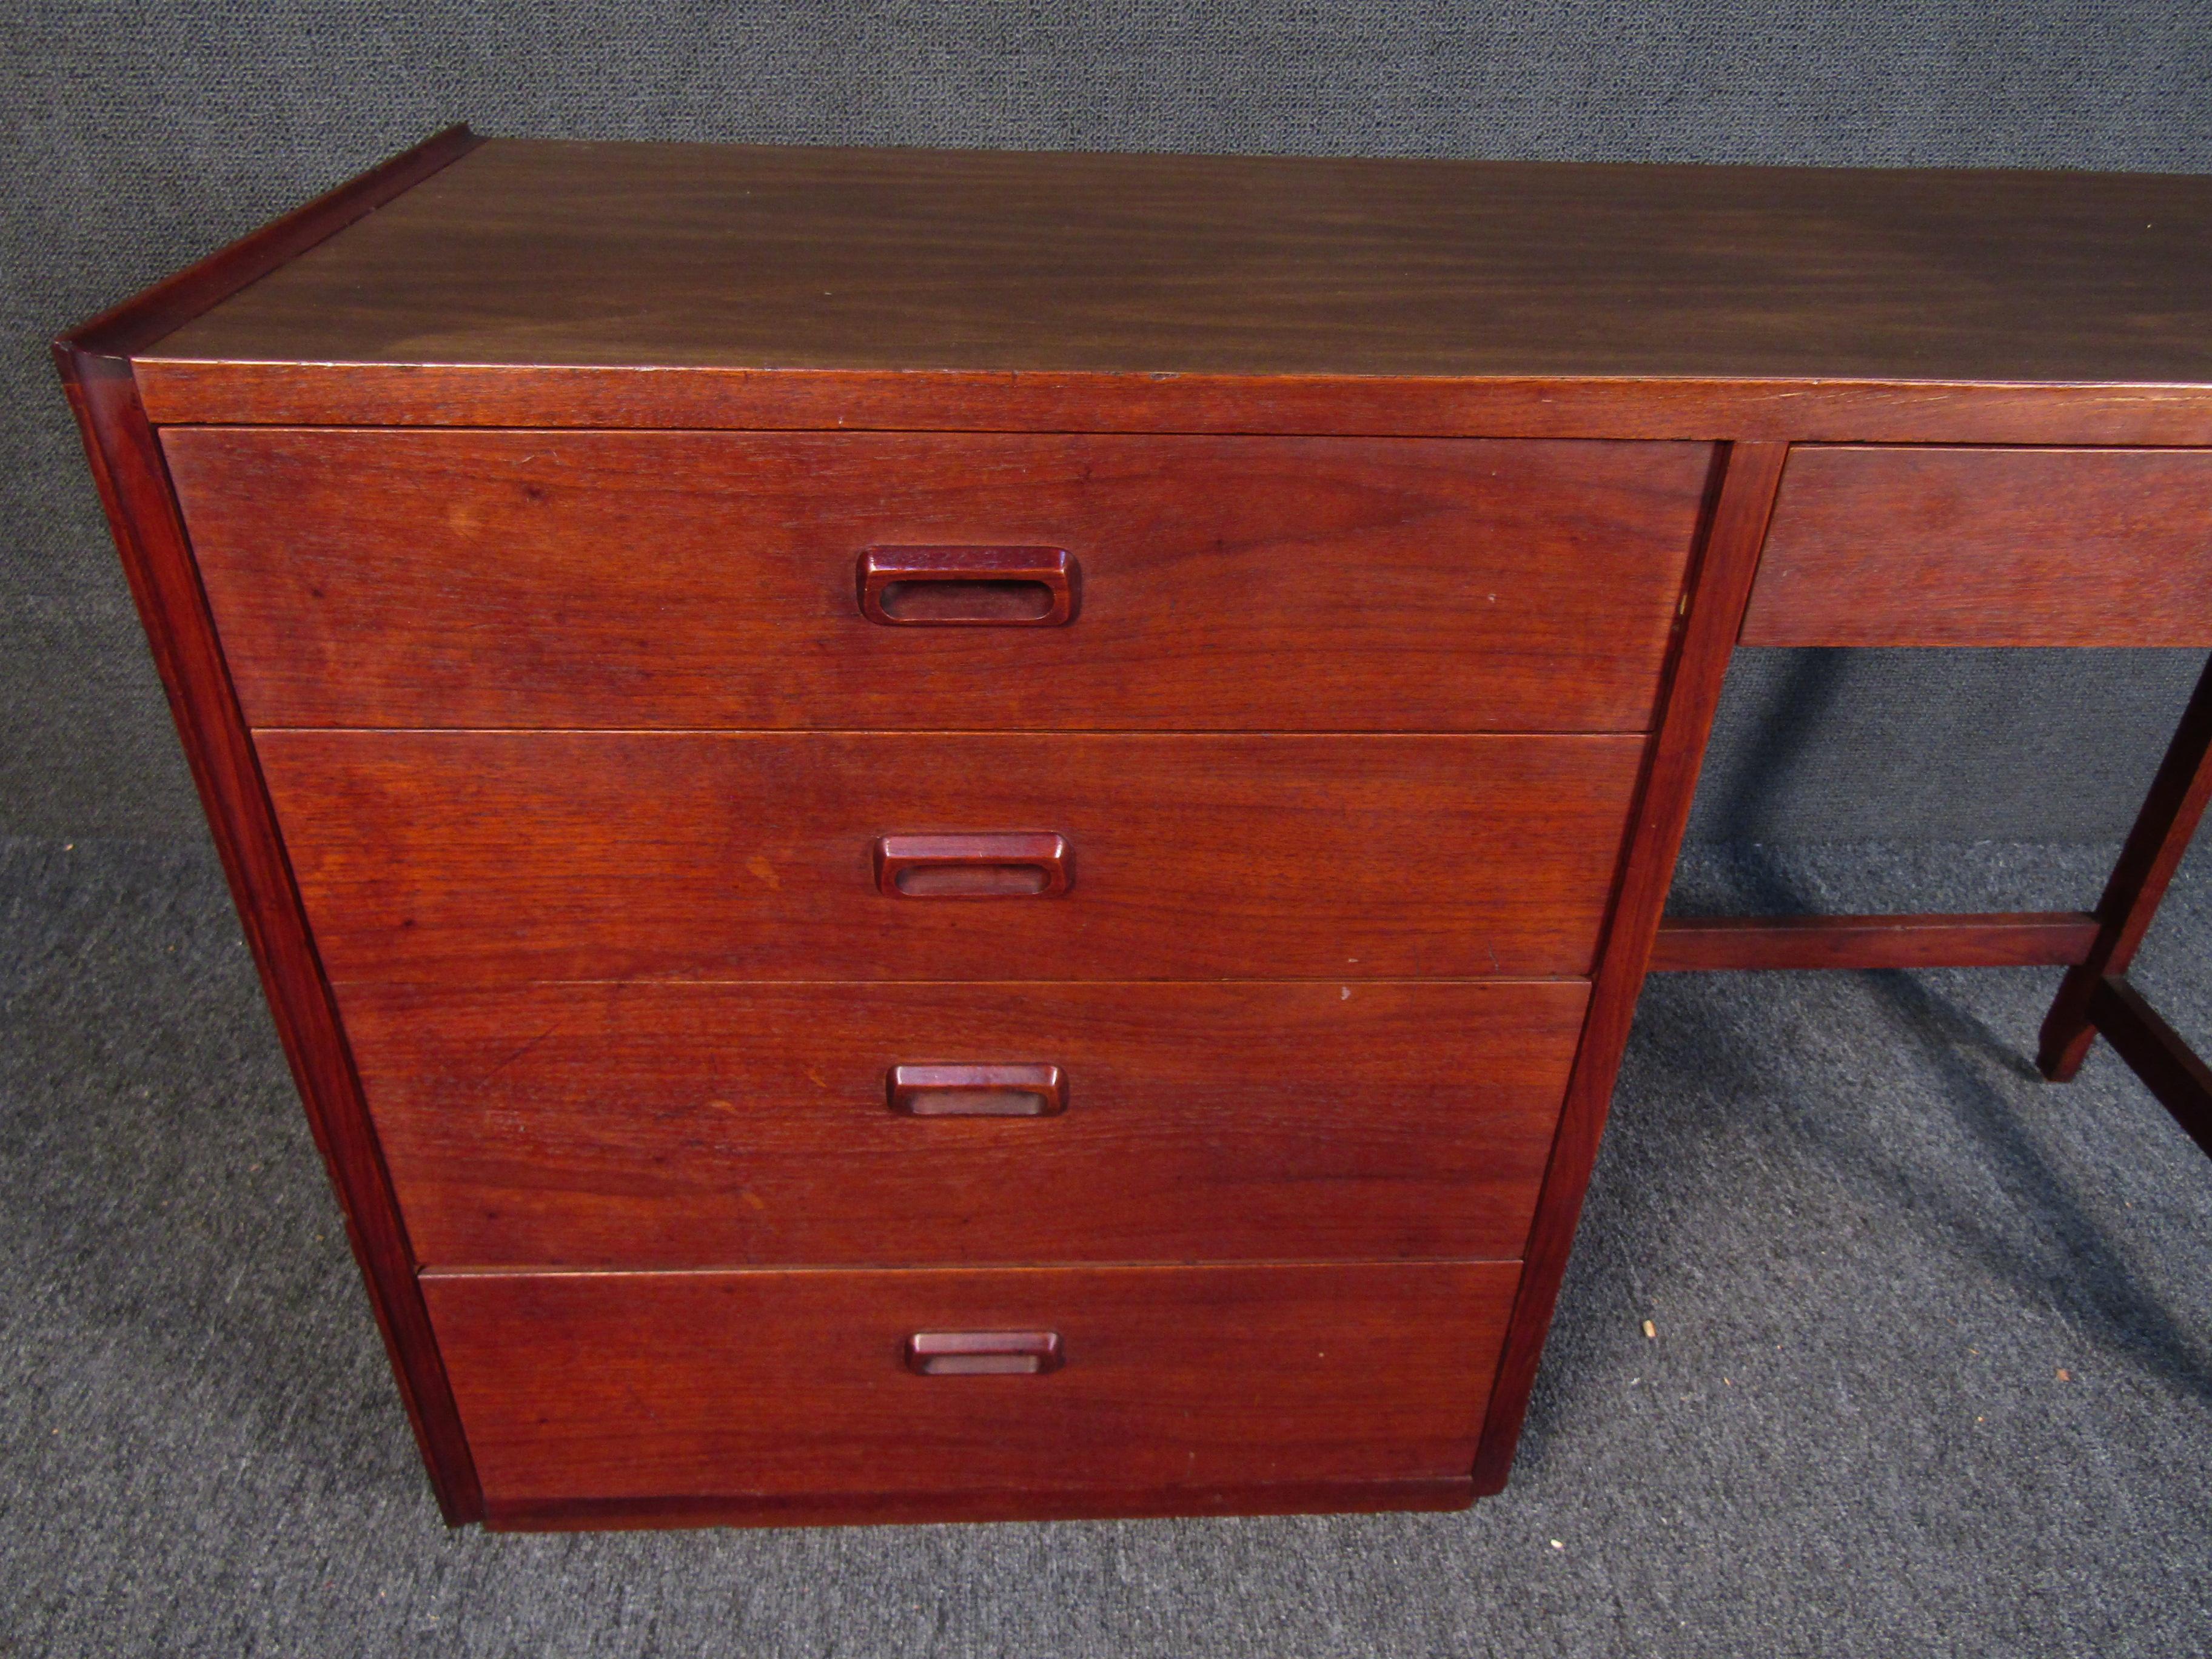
point(1932, 1369)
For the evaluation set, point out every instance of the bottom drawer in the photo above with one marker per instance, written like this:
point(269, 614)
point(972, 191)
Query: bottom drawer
point(611, 1388)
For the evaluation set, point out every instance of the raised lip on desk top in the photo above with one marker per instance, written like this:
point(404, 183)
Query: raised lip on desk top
point(135, 325)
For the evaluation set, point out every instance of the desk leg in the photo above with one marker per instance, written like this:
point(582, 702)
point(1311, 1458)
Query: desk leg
point(2152, 853)
point(1748, 475)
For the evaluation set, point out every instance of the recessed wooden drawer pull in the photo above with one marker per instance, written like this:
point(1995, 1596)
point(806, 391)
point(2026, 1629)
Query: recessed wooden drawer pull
point(1020, 866)
point(983, 1353)
point(978, 1091)
point(968, 586)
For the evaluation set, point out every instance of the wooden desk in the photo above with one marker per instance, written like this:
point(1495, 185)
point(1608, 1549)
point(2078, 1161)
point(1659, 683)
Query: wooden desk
point(959, 836)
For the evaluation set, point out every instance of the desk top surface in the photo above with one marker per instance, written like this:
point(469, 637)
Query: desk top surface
point(680, 255)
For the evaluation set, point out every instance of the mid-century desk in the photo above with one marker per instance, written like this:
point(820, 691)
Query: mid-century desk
point(949, 835)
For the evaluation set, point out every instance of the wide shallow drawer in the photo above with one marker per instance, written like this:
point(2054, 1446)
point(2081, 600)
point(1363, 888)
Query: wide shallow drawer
point(648, 1125)
point(490, 857)
point(1167, 1380)
point(652, 579)
point(1934, 546)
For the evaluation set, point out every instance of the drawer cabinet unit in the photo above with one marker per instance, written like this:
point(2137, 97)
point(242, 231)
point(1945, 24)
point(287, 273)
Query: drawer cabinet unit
point(959, 836)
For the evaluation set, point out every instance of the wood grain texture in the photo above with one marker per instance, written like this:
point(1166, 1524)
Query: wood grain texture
point(693, 1126)
point(1935, 546)
point(2175, 804)
point(770, 259)
point(2010, 939)
point(548, 578)
point(150, 535)
point(613, 1386)
point(1591, 407)
point(476, 858)
point(1744, 489)
point(1410, 406)
point(967, 290)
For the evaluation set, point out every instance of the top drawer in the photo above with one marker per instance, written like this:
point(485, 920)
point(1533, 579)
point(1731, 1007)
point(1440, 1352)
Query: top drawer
point(1880, 544)
point(372, 577)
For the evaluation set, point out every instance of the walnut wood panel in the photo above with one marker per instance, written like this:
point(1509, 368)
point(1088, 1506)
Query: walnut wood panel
point(1413, 406)
point(1743, 497)
point(1012, 264)
point(655, 1125)
point(1874, 546)
point(2004, 939)
point(126, 467)
point(627, 579)
point(613, 1386)
point(482, 857)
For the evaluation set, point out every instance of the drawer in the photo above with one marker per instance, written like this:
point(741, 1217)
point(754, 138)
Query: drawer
point(687, 1126)
point(1935, 546)
point(671, 579)
point(644, 1386)
point(490, 857)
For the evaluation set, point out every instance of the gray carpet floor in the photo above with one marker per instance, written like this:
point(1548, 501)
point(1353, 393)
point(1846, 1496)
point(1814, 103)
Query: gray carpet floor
point(1932, 1375)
